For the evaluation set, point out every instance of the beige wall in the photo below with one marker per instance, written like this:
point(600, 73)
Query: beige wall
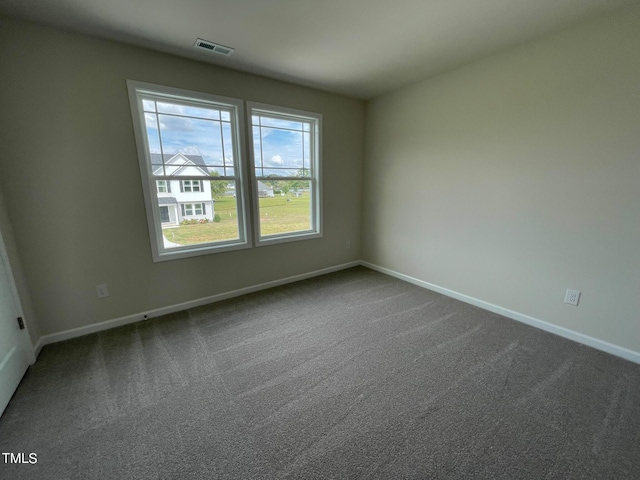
point(517, 177)
point(508, 180)
point(70, 178)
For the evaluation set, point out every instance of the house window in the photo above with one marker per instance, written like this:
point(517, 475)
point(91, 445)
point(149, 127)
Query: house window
point(193, 209)
point(286, 158)
point(191, 185)
point(163, 186)
point(196, 139)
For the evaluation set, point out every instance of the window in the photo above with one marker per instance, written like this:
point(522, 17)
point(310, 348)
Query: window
point(191, 186)
point(286, 173)
point(163, 186)
point(193, 209)
point(193, 167)
point(194, 140)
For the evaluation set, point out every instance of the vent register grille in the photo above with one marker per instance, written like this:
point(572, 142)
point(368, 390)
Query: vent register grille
point(213, 47)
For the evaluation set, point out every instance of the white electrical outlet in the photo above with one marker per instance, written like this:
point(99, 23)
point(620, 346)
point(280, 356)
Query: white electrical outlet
point(572, 297)
point(102, 290)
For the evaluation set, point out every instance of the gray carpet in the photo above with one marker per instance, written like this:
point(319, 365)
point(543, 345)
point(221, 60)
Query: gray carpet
point(349, 375)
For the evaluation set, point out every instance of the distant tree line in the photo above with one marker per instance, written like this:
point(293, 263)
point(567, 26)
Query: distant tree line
point(285, 186)
point(220, 187)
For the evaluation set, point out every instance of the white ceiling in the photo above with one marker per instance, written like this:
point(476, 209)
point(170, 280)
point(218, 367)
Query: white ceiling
point(361, 48)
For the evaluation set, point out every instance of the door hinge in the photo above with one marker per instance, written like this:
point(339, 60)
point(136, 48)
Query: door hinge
point(21, 323)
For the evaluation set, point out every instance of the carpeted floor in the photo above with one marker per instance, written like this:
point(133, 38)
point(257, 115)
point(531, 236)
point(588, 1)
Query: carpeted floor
point(349, 375)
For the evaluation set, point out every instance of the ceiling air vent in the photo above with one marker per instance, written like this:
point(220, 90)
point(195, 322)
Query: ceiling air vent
point(213, 47)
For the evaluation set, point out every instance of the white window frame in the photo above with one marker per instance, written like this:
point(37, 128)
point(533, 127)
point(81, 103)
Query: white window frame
point(191, 184)
point(315, 119)
point(191, 209)
point(138, 91)
point(162, 184)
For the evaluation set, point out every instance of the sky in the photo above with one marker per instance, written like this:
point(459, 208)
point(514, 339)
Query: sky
point(281, 146)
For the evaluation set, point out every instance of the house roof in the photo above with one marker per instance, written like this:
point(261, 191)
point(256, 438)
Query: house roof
point(167, 200)
point(262, 186)
point(178, 159)
point(156, 158)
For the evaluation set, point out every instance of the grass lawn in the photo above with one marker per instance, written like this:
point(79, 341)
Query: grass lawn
point(277, 215)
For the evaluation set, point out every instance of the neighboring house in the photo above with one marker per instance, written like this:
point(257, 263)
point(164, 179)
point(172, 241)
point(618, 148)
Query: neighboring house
point(182, 199)
point(264, 190)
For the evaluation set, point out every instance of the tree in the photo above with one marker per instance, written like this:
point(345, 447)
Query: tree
point(218, 187)
point(275, 183)
point(295, 185)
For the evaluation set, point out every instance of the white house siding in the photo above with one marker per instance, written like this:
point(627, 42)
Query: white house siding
point(208, 211)
point(182, 198)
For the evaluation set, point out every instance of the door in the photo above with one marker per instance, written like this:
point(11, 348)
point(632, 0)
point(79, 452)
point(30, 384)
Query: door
point(15, 346)
point(164, 214)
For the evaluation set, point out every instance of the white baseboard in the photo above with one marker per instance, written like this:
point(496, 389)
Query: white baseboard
point(37, 347)
point(616, 350)
point(136, 317)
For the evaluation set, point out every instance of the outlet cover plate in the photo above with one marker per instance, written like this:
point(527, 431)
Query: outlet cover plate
point(572, 297)
point(102, 290)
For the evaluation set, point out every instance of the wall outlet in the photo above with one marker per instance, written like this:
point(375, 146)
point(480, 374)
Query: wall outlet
point(572, 297)
point(102, 290)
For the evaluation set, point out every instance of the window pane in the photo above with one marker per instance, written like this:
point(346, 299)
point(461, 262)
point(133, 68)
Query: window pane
point(188, 111)
point(217, 223)
point(153, 141)
point(275, 148)
point(227, 149)
point(221, 171)
point(280, 172)
point(221, 188)
point(285, 206)
point(149, 105)
point(306, 149)
point(257, 151)
point(280, 123)
point(191, 136)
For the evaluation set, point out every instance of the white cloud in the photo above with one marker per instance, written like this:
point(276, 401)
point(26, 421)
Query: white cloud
point(190, 150)
point(277, 160)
